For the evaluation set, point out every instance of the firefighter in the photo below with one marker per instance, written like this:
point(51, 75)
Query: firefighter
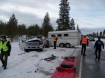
point(5, 48)
point(54, 40)
point(98, 47)
point(84, 43)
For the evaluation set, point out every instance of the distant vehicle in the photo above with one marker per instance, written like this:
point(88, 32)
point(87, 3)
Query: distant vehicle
point(69, 38)
point(91, 39)
point(31, 45)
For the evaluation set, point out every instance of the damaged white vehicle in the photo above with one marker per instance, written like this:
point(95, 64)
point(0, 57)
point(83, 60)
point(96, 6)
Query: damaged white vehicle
point(31, 45)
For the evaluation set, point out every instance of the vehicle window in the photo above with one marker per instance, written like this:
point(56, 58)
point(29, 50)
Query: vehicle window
point(65, 34)
point(52, 35)
point(59, 35)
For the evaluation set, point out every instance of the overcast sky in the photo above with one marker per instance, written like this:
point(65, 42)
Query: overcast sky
point(88, 14)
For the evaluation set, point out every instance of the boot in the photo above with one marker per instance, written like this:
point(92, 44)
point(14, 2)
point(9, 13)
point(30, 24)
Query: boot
point(5, 67)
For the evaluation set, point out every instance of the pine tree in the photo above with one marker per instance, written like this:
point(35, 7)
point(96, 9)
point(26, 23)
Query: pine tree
point(97, 33)
point(100, 33)
point(64, 20)
point(103, 32)
point(93, 33)
point(21, 29)
point(78, 27)
point(37, 30)
point(46, 26)
point(11, 28)
point(2, 28)
point(31, 31)
point(72, 24)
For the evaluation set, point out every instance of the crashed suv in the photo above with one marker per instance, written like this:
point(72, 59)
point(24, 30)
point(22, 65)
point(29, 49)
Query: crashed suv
point(33, 44)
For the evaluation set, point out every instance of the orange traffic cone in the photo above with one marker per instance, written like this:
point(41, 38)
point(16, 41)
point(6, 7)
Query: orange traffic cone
point(77, 76)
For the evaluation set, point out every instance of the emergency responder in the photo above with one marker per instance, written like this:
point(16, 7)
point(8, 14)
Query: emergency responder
point(84, 43)
point(0, 49)
point(97, 46)
point(5, 48)
point(54, 40)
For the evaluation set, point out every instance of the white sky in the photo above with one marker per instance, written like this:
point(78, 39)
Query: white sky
point(86, 13)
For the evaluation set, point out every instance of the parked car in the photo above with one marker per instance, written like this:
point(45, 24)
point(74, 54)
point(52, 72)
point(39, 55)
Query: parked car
point(91, 39)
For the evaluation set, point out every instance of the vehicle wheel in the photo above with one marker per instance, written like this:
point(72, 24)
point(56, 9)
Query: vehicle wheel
point(68, 45)
point(47, 44)
point(65, 65)
point(41, 49)
point(61, 45)
point(43, 46)
point(25, 50)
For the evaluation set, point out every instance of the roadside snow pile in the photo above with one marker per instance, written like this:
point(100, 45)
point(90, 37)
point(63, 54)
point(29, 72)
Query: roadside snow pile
point(48, 66)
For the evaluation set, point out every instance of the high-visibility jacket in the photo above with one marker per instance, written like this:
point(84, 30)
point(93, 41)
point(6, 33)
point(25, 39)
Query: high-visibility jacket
point(54, 38)
point(84, 40)
point(3, 46)
point(0, 45)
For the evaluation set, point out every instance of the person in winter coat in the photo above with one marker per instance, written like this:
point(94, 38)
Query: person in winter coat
point(54, 40)
point(84, 43)
point(0, 49)
point(5, 48)
point(98, 47)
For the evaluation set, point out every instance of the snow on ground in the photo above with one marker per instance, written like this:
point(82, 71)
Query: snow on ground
point(32, 64)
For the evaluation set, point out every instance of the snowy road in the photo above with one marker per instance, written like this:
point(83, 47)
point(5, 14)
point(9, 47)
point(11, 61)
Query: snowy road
point(32, 65)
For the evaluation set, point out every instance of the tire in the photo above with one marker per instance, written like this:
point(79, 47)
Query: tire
point(26, 50)
point(47, 44)
point(68, 45)
point(61, 45)
point(43, 46)
point(65, 65)
point(41, 49)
